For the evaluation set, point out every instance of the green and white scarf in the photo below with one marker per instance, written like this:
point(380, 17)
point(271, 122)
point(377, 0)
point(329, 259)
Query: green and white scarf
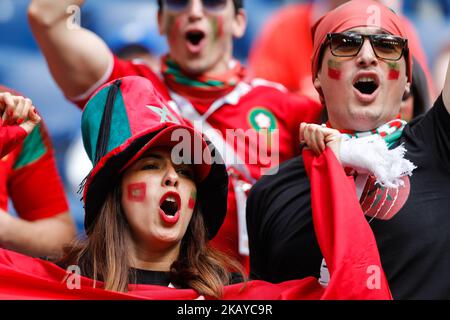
point(368, 153)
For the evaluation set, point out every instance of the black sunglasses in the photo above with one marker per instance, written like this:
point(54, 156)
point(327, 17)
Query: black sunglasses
point(385, 46)
point(181, 5)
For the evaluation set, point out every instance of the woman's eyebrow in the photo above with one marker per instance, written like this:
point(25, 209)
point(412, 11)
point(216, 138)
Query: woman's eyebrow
point(153, 156)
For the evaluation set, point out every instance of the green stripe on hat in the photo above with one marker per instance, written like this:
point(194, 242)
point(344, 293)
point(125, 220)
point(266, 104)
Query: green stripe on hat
point(120, 123)
point(92, 118)
point(90, 122)
point(33, 149)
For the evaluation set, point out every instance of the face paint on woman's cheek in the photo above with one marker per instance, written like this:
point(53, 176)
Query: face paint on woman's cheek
point(217, 27)
point(137, 192)
point(192, 200)
point(334, 69)
point(394, 71)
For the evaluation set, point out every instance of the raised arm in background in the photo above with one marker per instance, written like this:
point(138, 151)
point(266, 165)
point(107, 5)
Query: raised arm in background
point(77, 58)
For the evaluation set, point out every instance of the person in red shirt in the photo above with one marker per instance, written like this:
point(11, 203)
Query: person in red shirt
point(289, 62)
point(253, 124)
point(29, 177)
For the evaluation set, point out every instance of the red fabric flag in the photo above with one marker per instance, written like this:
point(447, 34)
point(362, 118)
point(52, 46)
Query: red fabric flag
point(10, 137)
point(343, 233)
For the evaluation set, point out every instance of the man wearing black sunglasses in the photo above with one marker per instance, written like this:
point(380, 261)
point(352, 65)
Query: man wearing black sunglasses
point(272, 58)
point(362, 68)
point(202, 79)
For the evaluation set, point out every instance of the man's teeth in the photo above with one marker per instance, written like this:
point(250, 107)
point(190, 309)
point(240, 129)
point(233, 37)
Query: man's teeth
point(366, 79)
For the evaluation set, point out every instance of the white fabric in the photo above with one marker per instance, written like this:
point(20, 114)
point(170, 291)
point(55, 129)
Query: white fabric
point(371, 155)
point(324, 274)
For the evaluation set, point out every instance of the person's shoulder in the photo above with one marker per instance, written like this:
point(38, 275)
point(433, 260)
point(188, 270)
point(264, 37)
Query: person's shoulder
point(300, 101)
point(258, 91)
point(137, 67)
point(265, 88)
point(262, 85)
point(262, 89)
point(437, 113)
point(279, 176)
point(139, 63)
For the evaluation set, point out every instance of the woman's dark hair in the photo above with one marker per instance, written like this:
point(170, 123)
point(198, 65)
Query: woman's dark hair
point(238, 4)
point(103, 255)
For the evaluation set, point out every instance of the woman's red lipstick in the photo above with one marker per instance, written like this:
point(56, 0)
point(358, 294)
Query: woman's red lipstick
point(169, 207)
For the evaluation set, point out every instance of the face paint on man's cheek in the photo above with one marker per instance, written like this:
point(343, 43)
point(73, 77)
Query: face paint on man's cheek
point(334, 69)
point(192, 200)
point(172, 26)
point(137, 192)
point(394, 71)
point(217, 27)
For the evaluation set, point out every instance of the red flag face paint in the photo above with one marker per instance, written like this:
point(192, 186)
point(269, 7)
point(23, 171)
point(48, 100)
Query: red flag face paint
point(217, 27)
point(334, 69)
point(192, 200)
point(173, 26)
point(394, 71)
point(137, 191)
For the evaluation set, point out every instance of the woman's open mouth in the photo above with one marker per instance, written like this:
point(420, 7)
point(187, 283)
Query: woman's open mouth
point(169, 207)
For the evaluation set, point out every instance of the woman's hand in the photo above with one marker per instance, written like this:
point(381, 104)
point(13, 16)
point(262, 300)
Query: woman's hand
point(318, 137)
point(17, 110)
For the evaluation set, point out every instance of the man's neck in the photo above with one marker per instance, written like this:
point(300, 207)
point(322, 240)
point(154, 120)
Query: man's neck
point(221, 67)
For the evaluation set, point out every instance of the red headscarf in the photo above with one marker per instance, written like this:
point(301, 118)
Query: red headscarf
point(354, 14)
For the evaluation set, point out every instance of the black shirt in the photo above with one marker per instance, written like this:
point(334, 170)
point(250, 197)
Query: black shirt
point(411, 227)
point(159, 278)
point(162, 278)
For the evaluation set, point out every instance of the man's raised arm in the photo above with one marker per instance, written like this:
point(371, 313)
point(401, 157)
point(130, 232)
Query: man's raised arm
point(77, 57)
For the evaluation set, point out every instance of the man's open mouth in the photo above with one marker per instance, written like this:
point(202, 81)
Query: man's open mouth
point(195, 37)
point(366, 85)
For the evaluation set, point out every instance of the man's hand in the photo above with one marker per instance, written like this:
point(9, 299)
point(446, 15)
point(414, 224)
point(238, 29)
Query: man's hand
point(317, 138)
point(50, 11)
point(17, 110)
